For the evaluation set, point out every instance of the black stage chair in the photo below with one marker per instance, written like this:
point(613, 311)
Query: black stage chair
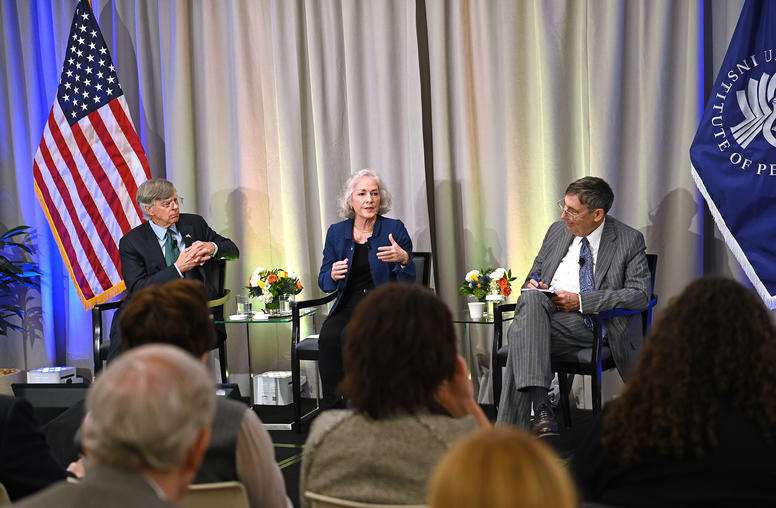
point(595, 359)
point(422, 268)
point(307, 349)
point(100, 346)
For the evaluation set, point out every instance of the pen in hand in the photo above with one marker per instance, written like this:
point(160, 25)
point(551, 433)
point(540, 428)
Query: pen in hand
point(535, 283)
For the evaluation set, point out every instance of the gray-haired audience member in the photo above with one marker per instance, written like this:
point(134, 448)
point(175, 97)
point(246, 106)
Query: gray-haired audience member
point(241, 448)
point(146, 431)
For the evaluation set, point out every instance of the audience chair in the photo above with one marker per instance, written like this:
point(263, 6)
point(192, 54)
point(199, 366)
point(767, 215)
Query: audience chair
point(219, 494)
point(321, 501)
point(4, 498)
point(591, 361)
point(307, 349)
point(100, 346)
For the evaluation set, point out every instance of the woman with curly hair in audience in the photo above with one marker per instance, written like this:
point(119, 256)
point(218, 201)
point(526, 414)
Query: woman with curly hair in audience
point(696, 424)
point(411, 398)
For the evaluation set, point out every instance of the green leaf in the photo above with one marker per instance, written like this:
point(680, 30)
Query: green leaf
point(15, 273)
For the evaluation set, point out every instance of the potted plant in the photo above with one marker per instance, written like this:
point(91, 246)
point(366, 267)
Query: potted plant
point(15, 273)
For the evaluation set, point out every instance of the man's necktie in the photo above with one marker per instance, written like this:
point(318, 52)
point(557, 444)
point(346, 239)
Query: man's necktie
point(171, 251)
point(586, 282)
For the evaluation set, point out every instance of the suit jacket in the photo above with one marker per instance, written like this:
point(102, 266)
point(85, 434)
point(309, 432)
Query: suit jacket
point(26, 462)
point(143, 264)
point(621, 276)
point(339, 245)
point(103, 487)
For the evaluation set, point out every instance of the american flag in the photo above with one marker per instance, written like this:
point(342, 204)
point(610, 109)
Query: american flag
point(89, 164)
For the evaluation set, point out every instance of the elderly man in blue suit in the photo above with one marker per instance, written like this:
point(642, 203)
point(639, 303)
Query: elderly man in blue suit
point(594, 263)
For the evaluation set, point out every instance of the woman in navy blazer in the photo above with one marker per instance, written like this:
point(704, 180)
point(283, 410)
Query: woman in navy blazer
point(361, 252)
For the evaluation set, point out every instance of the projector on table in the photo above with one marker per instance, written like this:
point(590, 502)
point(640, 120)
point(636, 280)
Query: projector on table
point(52, 375)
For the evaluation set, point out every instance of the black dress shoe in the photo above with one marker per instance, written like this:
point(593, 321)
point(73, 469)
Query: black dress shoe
point(544, 423)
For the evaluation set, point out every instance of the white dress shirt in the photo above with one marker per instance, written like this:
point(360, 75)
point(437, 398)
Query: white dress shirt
point(566, 277)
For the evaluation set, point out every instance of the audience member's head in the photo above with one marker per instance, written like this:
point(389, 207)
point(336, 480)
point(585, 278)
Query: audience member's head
point(713, 349)
point(501, 468)
point(400, 347)
point(175, 313)
point(150, 412)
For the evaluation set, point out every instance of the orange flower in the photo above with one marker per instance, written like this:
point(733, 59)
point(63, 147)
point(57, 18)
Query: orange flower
point(272, 278)
point(298, 285)
point(506, 290)
point(502, 282)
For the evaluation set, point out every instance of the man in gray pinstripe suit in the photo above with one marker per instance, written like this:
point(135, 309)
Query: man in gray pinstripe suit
point(545, 326)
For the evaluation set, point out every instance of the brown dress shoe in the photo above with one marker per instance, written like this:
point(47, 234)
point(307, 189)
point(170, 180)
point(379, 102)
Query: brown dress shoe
point(544, 423)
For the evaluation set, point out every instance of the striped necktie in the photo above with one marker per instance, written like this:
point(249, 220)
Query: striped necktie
point(586, 282)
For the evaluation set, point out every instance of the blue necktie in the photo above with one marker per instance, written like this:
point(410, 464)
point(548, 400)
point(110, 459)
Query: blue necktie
point(586, 282)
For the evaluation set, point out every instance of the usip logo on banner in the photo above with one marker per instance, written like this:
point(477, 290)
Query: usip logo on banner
point(734, 151)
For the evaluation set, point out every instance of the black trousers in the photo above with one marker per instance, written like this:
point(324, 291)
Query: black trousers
point(331, 341)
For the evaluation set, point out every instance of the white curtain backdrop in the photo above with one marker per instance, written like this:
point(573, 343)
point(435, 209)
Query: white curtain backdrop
point(477, 114)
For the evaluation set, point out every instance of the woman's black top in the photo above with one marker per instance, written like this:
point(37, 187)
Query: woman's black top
point(360, 278)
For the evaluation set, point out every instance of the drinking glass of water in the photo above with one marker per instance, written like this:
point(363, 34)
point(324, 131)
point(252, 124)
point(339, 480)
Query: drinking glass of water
point(244, 305)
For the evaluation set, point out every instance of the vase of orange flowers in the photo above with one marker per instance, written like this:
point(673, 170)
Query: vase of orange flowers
point(491, 286)
point(272, 286)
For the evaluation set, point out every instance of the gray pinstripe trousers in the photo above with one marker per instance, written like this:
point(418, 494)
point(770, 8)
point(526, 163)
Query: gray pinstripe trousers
point(537, 332)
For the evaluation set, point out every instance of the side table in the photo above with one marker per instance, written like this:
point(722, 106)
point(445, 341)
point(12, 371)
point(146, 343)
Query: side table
point(462, 317)
point(274, 320)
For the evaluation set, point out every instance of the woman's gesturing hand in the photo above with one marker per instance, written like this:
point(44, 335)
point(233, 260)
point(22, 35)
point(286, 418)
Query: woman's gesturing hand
point(393, 253)
point(339, 269)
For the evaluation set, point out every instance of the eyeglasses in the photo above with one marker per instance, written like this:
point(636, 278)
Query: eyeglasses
point(563, 209)
point(167, 203)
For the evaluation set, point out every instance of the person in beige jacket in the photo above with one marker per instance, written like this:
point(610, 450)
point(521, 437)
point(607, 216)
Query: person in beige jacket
point(411, 398)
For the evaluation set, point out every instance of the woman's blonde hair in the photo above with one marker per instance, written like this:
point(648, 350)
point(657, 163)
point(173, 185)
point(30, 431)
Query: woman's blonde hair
point(501, 468)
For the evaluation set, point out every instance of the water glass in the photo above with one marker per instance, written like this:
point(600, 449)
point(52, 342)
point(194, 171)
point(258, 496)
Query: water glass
point(285, 303)
point(244, 306)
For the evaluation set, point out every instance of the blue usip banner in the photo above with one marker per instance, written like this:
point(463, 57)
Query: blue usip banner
point(734, 151)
